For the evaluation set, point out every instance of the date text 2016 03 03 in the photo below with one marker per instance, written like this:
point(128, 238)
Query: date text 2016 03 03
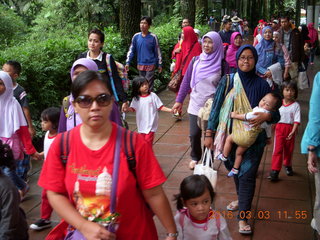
point(262, 214)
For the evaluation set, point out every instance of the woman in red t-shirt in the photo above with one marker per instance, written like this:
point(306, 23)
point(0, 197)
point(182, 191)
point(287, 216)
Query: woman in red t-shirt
point(80, 190)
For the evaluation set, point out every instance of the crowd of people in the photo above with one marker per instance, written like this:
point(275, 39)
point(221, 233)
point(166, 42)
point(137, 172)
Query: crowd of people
point(93, 165)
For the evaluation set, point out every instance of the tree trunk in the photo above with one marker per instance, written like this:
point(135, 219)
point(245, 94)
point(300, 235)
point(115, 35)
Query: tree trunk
point(298, 13)
point(188, 10)
point(130, 14)
point(202, 11)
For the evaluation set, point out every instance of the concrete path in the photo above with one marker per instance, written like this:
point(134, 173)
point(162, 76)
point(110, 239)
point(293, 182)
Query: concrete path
point(281, 210)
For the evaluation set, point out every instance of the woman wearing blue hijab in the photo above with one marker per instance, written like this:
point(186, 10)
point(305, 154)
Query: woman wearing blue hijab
point(269, 55)
point(253, 89)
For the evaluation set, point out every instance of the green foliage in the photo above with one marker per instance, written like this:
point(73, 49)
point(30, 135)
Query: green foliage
point(114, 44)
point(203, 28)
point(67, 14)
point(45, 69)
point(12, 27)
point(200, 16)
point(168, 36)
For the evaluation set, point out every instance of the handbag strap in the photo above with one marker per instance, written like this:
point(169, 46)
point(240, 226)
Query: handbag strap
point(115, 173)
point(109, 69)
point(207, 154)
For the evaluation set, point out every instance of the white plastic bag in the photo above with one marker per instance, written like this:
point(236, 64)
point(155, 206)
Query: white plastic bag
point(303, 81)
point(204, 167)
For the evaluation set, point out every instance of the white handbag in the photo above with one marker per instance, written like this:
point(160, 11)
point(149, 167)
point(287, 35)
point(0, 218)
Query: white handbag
point(204, 167)
point(303, 81)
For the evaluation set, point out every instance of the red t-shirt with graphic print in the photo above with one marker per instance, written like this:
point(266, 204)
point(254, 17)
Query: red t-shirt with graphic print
point(87, 179)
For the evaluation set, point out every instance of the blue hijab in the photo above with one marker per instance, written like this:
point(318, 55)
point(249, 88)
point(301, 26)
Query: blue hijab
point(255, 87)
point(262, 48)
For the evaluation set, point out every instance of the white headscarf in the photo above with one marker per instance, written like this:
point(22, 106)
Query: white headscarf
point(11, 115)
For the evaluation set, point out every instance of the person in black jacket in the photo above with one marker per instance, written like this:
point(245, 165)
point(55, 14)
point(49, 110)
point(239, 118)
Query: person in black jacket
point(13, 224)
point(95, 45)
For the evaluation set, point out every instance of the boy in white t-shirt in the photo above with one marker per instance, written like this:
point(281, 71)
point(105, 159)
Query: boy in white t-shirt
point(146, 105)
point(49, 122)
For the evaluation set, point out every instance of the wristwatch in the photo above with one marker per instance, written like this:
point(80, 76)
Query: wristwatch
point(173, 234)
point(311, 149)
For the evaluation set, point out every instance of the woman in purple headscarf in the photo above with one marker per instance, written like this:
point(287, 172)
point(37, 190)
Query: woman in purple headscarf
point(202, 78)
point(68, 117)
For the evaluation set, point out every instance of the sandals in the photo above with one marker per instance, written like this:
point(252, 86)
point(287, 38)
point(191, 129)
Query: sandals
point(192, 164)
point(245, 229)
point(233, 206)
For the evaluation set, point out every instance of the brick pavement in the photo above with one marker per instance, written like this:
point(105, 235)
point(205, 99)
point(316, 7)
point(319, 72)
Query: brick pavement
point(284, 200)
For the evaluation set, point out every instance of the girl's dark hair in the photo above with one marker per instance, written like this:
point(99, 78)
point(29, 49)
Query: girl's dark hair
point(136, 84)
point(84, 78)
point(6, 156)
point(98, 32)
point(192, 187)
point(51, 114)
point(290, 84)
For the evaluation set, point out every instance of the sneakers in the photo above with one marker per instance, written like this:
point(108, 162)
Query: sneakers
point(233, 171)
point(40, 224)
point(192, 164)
point(289, 171)
point(274, 175)
point(222, 158)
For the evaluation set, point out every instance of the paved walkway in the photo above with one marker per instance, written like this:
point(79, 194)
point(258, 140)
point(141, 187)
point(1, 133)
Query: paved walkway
point(281, 210)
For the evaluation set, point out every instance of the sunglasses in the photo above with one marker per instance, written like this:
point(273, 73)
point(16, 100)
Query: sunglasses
point(102, 100)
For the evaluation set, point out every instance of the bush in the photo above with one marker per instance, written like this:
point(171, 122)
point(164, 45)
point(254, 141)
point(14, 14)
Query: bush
point(12, 27)
point(45, 69)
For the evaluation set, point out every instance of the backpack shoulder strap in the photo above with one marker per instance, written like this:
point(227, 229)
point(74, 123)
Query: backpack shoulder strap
point(129, 141)
point(109, 69)
point(64, 147)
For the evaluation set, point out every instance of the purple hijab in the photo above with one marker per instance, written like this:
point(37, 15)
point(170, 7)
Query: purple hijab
point(86, 62)
point(208, 64)
point(90, 65)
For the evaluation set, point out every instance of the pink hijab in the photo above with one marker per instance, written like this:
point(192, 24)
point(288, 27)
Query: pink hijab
point(232, 50)
point(313, 33)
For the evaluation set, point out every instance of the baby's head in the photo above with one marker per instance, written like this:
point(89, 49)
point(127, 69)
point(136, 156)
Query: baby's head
point(271, 101)
point(196, 194)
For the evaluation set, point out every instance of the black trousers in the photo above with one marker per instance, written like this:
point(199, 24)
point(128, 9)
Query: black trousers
point(195, 138)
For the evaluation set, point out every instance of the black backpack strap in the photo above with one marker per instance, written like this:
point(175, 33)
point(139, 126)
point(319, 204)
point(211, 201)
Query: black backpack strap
point(129, 150)
point(64, 147)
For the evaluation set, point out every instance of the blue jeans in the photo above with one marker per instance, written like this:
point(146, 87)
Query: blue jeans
point(20, 184)
point(23, 167)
